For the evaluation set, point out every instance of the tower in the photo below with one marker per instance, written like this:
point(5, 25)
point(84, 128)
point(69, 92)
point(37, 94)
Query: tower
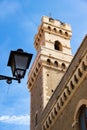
point(52, 43)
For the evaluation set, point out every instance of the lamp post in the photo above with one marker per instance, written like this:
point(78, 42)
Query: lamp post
point(19, 62)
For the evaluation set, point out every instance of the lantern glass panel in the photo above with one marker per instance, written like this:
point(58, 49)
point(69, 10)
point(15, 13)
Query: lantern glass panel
point(21, 62)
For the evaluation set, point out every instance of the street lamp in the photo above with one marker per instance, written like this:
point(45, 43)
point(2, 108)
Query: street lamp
point(19, 62)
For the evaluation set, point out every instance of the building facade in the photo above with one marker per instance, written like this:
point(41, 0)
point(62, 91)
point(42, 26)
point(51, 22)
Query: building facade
point(57, 80)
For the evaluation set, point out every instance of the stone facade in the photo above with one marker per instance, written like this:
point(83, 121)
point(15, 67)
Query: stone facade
point(69, 95)
point(56, 82)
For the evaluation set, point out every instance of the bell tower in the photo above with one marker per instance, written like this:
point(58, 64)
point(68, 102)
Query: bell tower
point(52, 43)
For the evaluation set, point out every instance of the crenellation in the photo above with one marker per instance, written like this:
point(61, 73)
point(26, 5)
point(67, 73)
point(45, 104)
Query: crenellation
point(55, 22)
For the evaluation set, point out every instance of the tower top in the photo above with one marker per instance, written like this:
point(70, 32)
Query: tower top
point(56, 23)
point(52, 43)
point(54, 27)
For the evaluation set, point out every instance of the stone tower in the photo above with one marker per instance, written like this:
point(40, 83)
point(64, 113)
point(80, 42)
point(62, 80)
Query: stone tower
point(52, 43)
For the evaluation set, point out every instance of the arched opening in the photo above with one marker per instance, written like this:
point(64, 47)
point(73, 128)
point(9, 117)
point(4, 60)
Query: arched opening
point(48, 61)
point(60, 31)
point(58, 46)
point(66, 33)
point(63, 66)
point(80, 116)
point(83, 118)
point(49, 28)
point(56, 64)
point(55, 29)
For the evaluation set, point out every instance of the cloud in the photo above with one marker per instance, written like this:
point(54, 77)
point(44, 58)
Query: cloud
point(8, 8)
point(18, 120)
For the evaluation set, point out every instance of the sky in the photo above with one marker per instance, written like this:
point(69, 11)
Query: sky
point(19, 20)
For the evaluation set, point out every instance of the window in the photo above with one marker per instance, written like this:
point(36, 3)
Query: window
point(83, 118)
point(58, 46)
point(49, 28)
point(60, 31)
point(48, 61)
point(56, 64)
point(55, 29)
point(66, 33)
point(63, 66)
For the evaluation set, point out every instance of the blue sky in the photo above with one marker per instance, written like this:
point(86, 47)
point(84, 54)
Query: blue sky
point(19, 20)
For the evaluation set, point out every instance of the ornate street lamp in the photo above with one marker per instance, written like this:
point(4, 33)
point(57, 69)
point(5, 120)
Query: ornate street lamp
point(19, 62)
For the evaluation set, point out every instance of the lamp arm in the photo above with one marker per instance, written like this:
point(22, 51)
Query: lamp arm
point(9, 79)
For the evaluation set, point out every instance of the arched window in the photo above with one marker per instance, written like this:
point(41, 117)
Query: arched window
point(48, 61)
point(80, 116)
point(83, 118)
point(63, 66)
point(56, 64)
point(58, 46)
point(60, 31)
point(49, 28)
point(55, 29)
point(66, 33)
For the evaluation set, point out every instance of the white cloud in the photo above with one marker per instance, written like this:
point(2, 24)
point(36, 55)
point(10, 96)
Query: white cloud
point(18, 120)
point(7, 8)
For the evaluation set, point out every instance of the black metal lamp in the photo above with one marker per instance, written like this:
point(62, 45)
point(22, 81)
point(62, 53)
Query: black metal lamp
point(19, 62)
